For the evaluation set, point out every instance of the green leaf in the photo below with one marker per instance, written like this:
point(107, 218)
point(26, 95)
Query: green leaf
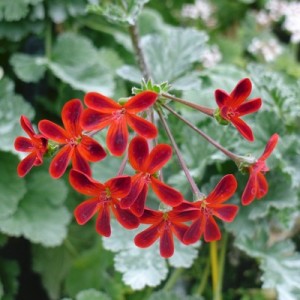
point(83, 70)
point(28, 68)
point(11, 185)
point(125, 13)
point(52, 264)
point(166, 295)
point(92, 294)
point(12, 106)
point(9, 273)
point(140, 267)
point(37, 218)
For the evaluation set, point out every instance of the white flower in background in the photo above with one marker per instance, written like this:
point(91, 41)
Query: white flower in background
point(276, 9)
point(202, 9)
point(211, 56)
point(292, 21)
point(263, 18)
point(268, 49)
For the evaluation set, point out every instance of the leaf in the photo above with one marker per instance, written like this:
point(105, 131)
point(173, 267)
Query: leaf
point(11, 185)
point(38, 219)
point(170, 295)
point(52, 264)
point(140, 267)
point(92, 294)
point(125, 13)
point(11, 108)
point(82, 70)
point(28, 68)
point(9, 273)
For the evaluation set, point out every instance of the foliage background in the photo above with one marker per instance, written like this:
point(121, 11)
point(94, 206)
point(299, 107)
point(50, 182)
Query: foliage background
point(53, 51)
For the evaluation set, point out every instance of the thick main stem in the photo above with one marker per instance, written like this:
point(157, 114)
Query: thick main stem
point(206, 110)
point(185, 169)
point(231, 155)
point(214, 269)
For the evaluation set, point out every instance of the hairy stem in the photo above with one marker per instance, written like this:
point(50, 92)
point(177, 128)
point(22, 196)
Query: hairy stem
point(123, 164)
point(180, 158)
point(228, 153)
point(204, 278)
point(172, 279)
point(206, 110)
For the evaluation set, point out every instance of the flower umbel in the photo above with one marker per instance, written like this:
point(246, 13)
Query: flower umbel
point(257, 185)
point(105, 197)
point(103, 111)
point(76, 146)
point(36, 145)
point(234, 105)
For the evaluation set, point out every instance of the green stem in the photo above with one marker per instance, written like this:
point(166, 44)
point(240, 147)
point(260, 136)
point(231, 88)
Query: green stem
point(206, 110)
point(48, 39)
point(173, 279)
point(70, 248)
point(184, 167)
point(214, 269)
point(204, 279)
point(222, 262)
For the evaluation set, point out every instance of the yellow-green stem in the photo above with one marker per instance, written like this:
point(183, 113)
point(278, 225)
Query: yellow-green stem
point(214, 269)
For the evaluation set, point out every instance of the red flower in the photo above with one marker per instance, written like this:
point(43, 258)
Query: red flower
point(103, 111)
point(257, 185)
point(36, 145)
point(163, 226)
point(104, 197)
point(76, 146)
point(232, 107)
point(147, 165)
point(210, 207)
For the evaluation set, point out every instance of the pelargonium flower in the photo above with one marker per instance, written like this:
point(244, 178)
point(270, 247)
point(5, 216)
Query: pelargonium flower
point(147, 166)
point(36, 145)
point(234, 105)
point(105, 197)
point(257, 185)
point(208, 208)
point(163, 226)
point(103, 111)
point(76, 146)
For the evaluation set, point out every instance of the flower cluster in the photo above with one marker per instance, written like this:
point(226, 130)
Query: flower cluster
point(125, 196)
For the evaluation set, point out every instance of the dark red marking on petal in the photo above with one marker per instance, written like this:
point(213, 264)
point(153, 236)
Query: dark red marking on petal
point(147, 237)
point(101, 103)
point(90, 149)
point(103, 220)
point(194, 232)
point(250, 190)
point(71, 115)
point(141, 102)
point(249, 107)
point(125, 217)
point(241, 92)
point(222, 98)
point(226, 212)
point(158, 157)
point(80, 163)
point(243, 128)
point(119, 187)
point(23, 144)
point(270, 146)
point(27, 126)
point(94, 120)
point(138, 205)
point(86, 210)
point(262, 186)
point(53, 132)
point(26, 164)
point(138, 152)
point(166, 243)
point(211, 230)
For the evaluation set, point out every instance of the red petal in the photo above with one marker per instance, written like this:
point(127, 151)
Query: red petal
point(136, 187)
point(158, 157)
point(137, 152)
point(147, 237)
point(79, 163)
point(117, 137)
point(211, 230)
point(249, 107)
point(119, 187)
point(222, 98)
point(53, 132)
point(226, 212)
point(151, 216)
point(26, 164)
point(85, 184)
point(223, 191)
point(179, 230)
point(165, 193)
point(250, 190)
point(103, 221)
point(70, 116)
point(85, 211)
point(243, 128)
point(94, 120)
point(270, 146)
point(140, 102)
point(241, 92)
point(125, 217)
point(141, 126)
point(101, 103)
point(138, 205)
point(26, 125)
point(185, 215)
point(194, 232)
point(60, 162)
point(24, 144)
point(166, 243)
point(262, 186)
point(90, 149)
